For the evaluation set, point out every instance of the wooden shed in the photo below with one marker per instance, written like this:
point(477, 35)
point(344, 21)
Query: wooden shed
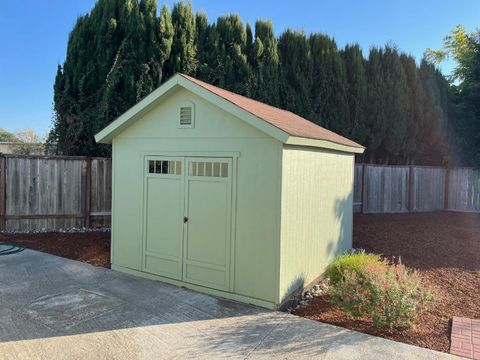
point(226, 195)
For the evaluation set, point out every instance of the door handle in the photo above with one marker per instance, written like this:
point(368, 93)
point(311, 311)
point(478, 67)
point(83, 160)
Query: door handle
point(185, 219)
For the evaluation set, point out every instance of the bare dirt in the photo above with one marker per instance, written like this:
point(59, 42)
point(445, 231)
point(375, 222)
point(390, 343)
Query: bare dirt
point(89, 247)
point(444, 247)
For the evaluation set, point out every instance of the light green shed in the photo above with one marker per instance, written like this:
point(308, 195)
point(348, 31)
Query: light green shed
point(226, 195)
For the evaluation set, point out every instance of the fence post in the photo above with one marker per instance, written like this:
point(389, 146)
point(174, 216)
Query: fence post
point(3, 192)
point(364, 181)
point(410, 188)
point(88, 191)
point(447, 190)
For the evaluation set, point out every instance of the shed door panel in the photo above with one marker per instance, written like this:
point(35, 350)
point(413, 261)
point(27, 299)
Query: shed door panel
point(207, 233)
point(164, 209)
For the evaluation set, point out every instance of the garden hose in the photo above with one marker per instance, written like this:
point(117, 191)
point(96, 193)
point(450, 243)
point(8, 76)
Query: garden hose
point(7, 248)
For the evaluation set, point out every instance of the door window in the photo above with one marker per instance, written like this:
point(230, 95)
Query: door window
point(208, 168)
point(167, 167)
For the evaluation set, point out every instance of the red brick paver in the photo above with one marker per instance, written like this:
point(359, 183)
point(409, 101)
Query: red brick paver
point(465, 338)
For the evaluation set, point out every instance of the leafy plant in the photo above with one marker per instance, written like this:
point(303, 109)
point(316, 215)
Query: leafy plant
point(352, 261)
point(390, 294)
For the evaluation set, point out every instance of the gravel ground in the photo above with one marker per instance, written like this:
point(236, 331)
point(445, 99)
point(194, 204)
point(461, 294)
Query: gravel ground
point(444, 247)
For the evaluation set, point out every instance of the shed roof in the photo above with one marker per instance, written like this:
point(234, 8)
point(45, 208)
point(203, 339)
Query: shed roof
point(298, 130)
point(285, 120)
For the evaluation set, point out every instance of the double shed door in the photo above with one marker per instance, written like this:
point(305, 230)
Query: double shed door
point(188, 210)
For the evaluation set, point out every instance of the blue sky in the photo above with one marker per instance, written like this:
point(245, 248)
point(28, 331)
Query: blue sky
point(33, 37)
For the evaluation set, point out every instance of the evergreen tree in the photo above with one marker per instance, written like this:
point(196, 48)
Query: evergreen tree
point(208, 56)
point(183, 57)
point(249, 44)
point(265, 63)
point(435, 114)
point(356, 91)
point(114, 58)
point(375, 119)
point(232, 45)
point(123, 49)
point(395, 85)
point(296, 73)
point(414, 142)
point(329, 85)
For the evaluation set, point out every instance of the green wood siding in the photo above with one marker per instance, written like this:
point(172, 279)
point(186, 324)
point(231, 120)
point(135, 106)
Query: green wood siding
point(317, 193)
point(256, 188)
point(291, 204)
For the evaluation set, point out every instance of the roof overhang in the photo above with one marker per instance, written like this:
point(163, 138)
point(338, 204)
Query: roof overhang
point(325, 144)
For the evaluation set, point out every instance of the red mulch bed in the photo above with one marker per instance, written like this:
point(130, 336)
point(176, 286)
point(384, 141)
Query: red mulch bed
point(89, 247)
point(444, 247)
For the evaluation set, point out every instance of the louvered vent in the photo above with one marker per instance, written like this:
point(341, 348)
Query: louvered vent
point(186, 117)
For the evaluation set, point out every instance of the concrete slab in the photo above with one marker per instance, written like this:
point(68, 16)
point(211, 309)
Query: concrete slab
point(54, 308)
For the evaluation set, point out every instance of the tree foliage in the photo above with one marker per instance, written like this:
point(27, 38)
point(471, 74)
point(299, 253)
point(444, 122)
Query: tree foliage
point(464, 47)
point(6, 136)
point(24, 142)
point(123, 49)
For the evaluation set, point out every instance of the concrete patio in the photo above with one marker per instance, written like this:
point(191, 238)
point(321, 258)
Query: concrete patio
point(54, 308)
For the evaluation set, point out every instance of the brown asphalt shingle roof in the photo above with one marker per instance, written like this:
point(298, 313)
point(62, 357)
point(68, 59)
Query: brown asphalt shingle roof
point(285, 120)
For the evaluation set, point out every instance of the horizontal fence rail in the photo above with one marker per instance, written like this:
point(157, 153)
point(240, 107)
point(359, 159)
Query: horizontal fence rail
point(53, 192)
point(397, 189)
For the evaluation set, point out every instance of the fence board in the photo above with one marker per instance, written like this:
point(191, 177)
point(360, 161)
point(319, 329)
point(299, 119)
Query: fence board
point(385, 189)
point(428, 188)
point(50, 192)
point(101, 190)
point(464, 189)
point(357, 189)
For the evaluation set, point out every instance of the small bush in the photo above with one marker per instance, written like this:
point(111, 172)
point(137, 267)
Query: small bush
point(352, 261)
point(390, 294)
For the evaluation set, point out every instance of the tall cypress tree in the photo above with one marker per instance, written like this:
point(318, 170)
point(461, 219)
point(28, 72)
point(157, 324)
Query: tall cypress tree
point(296, 72)
point(356, 91)
point(232, 45)
point(435, 113)
point(375, 119)
point(395, 106)
point(414, 143)
point(329, 85)
point(208, 55)
point(249, 44)
point(183, 57)
point(265, 63)
point(114, 58)
point(122, 50)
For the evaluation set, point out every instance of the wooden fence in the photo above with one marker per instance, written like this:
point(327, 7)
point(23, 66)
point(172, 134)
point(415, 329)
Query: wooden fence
point(42, 192)
point(396, 189)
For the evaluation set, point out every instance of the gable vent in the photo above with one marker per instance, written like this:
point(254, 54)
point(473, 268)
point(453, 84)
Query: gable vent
point(186, 116)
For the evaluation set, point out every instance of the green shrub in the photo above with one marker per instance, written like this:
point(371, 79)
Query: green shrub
point(390, 294)
point(352, 261)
